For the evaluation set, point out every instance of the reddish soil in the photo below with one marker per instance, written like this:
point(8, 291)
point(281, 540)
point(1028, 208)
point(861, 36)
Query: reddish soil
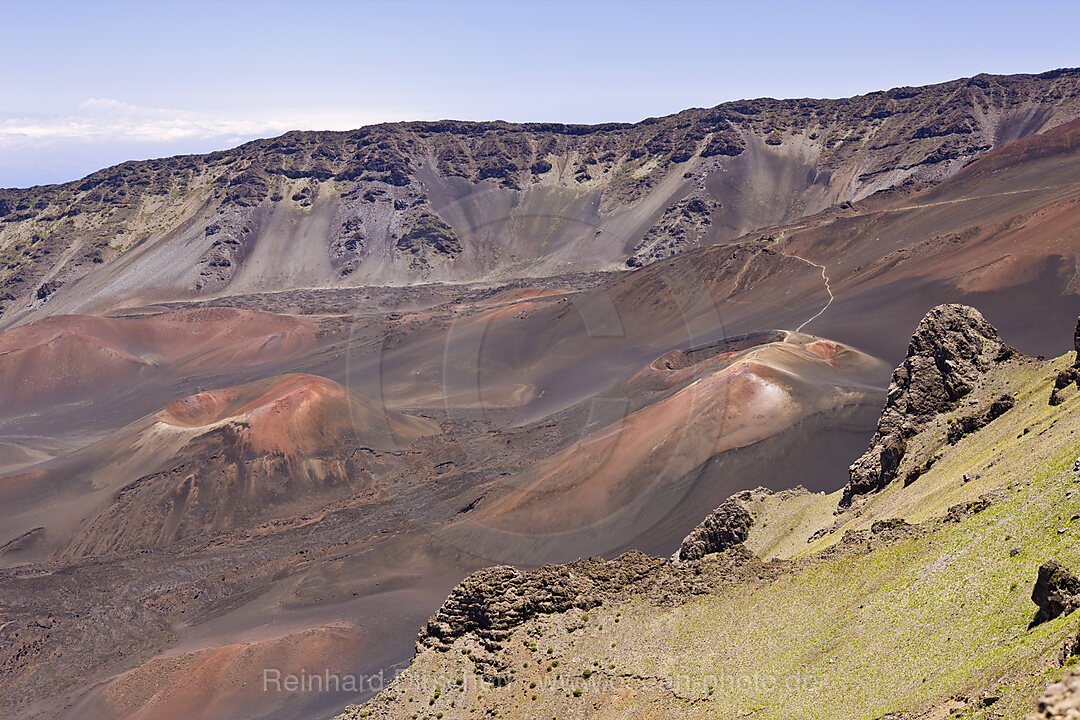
point(67, 357)
point(228, 681)
point(295, 415)
point(636, 465)
point(356, 465)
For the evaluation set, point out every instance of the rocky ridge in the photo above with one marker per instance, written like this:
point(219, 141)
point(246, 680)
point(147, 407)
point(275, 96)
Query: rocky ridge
point(483, 612)
point(364, 201)
point(491, 601)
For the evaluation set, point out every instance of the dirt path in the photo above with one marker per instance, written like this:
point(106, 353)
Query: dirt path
point(828, 289)
point(824, 276)
point(824, 273)
point(979, 197)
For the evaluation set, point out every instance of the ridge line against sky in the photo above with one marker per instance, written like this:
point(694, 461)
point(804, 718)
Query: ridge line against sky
point(94, 84)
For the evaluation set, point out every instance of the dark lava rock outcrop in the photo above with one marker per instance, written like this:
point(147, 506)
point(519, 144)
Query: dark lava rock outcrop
point(951, 347)
point(1068, 376)
point(1063, 380)
point(429, 235)
point(492, 601)
point(683, 225)
point(1056, 592)
point(960, 511)
point(1076, 343)
point(724, 528)
point(980, 419)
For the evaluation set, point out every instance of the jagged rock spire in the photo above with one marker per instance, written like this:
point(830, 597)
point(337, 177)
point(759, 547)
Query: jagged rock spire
point(951, 347)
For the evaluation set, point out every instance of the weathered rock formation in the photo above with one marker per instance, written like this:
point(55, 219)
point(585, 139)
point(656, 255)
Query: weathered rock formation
point(1056, 592)
point(951, 347)
point(683, 225)
point(1069, 375)
point(724, 528)
point(1076, 343)
point(494, 600)
point(491, 602)
point(1063, 380)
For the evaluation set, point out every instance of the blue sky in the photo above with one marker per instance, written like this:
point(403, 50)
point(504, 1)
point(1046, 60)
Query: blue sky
point(89, 84)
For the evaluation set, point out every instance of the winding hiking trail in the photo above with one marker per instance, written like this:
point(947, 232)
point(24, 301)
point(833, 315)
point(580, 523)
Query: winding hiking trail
point(824, 276)
point(822, 268)
point(828, 289)
point(783, 233)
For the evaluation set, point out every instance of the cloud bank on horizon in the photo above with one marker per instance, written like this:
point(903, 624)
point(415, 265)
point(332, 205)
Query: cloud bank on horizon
point(41, 148)
point(104, 119)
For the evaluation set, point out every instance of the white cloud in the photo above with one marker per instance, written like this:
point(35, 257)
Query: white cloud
point(106, 120)
point(99, 132)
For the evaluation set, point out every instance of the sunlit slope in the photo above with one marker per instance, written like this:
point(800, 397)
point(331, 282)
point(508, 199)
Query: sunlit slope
point(892, 617)
point(456, 201)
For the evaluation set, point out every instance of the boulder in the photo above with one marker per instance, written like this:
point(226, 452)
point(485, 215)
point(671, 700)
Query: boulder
point(1066, 377)
point(1056, 592)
